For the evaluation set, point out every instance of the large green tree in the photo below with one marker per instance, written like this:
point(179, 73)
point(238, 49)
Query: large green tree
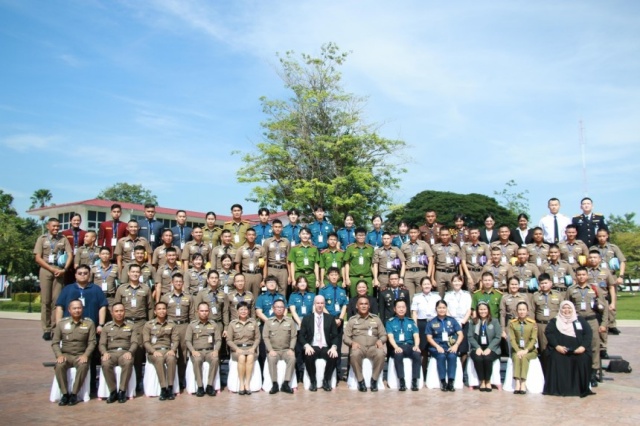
point(513, 200)
point(625, 232)
point(447, 204)
point(128, 193)
point(17, 239)
point(317, 148)
point(40, 198)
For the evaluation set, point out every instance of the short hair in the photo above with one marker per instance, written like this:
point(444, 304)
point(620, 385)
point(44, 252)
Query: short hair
point(160, 303)
point(91, 231)
point(276, 222)
point(581, 268)
point(236, 206)
point(212, 272)
point(74, 300)
point(459, 216)
point(399, 301)
point(149, 206)
point(553, 199)
point(74, 214)
point(271, 278)
point(332, 234)
point(103, 248)
point(180, 211)
point(167, 230)
point(595, 251)
point(293, 211)
point(571, 226)
point(522, 303)
point(360, 230)
point(318, 208)
point(333, 269)
point(553, 246)
point(177, 275)
point(364, 296)
point(544, 277)
point(414, 227)
point(132, 221)
point(83, 266)
point(203, 303)
point(171, 250)
point(487, 274)
point(441, 302)
point(386, 233)
point(135, 265)
point(116, 304)
point(238, 275)
point(53, 219)
point(429, 211)
point(195, 256)
point(263, 210)
point(304, 230)
point(137, 248)
point(523, 216)
point(496, 248)
point(226, 256)
point(537, 228)
point(196, 227)
point(376, 216)
point(115, 206)
point(394, 273)
point(250, 230)
point(225, 231)
point(242, 304)
point(586, 199)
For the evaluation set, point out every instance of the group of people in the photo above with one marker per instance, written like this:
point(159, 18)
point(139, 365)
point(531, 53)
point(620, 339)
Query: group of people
point(208, 293)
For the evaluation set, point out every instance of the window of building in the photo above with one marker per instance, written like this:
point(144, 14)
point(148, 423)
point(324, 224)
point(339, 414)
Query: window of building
point(65, 220)
point(94, 218)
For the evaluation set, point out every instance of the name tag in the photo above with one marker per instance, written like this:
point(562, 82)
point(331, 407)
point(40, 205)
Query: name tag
point(181, 245)
point(449, 260)
point(104, 286)
point(522, 343)
point(578, 325)
point(152, 238)
point(293, 243)
point(67, 326)
point(236, 238)
point(134, 302)
point(306, 261)
point(389, 264)
point(539, 262)
point(75, 251)
point(334, 264)
point(133, 257)
point(521, 283)
point(571, 260)
point(210, 339)
point(401, 337)
point(270, 311)
point(483, 340)
point(214, 310)
point(545, 312)
point(370, 332)
point(114, 242)
point(277, 257)
point(604, 265)
point(413, 259)
point(337, 307)
point(320, 238)
point(360, 260)
point(496, 284)
point(432, 241)
point(445, 336)
point(555, 279)
point(303, 310)
point(252, 266)
point(474, 259)
point(583, 306)
point(154, 339)
point(178, 311)
point(81, 299)
point(504, 259)
point(51, 258)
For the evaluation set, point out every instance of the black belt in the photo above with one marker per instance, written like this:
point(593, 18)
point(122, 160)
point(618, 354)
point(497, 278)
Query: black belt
point(446, 270)
point(542, 322)
point(180, 322)
point(252, 272)
point(590, 317)
point(305, 271)
point(163, 348)
point(387, 272)
point(135, 319)
point(204, 349)
point(119, 349)
point(415, 269)
point(278, 266)
point(109, 294)
point(423, 320)
point(478, 269)
point(245, 345)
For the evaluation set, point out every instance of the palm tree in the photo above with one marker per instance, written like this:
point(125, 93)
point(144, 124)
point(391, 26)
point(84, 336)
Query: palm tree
point(40, 198)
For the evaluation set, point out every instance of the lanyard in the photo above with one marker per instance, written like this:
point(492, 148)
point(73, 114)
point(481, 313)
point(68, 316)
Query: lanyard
point(181, 230)
point(75, 237)
point(103, 274)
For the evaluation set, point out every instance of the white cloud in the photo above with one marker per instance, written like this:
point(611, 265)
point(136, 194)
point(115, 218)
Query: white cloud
point(28, 142)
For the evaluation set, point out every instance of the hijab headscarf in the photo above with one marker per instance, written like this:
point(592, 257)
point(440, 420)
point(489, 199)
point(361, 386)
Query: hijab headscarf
point(564, 323)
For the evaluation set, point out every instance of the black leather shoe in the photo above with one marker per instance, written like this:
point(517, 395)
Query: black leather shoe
point(274, 388)
point(285, 387)
point(614, 330)
point(210, 390)
point(247, 392)
point(488, 389)
point(362, 387)
point(326, 385)
point(450, 387)
point(313, 386)
point(604, 354)
point(200, 392)
point(403, 386)
point(73, 399)
point(163, 394)
point(64, 400)
point(242, 392)
point(122, 397)
point(443, 385)
point(374, 385)
point(46, 335)
point(140, 386)
point(113, 396)
point(414, 385)
point(170, 395)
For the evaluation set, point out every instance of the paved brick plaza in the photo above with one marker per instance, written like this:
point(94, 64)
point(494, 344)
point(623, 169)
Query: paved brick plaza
point(26, 383)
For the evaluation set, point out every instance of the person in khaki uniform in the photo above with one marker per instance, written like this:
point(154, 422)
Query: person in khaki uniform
point(211, 231)
point(445, 255)
point(250, 261)
point(195, 246)
point(508, 248)
point(573, 250)
point(523, 335)
point(509, 305)
point(225, 248)
point(138, 302)
point(524, 271)
point(238, 295)
point(160, 253)
point(74, 339)
point(419, 262)
point(604, 280)
point(217, 301)
point(160, 339)
point(47, 251)
point(181, 311)
point(118, 344)
point(147, 272)
point(366, 336)
point(87, 254)
point(164, 275)
point(124, 250)
point(105, 275)
point(501, 271)
point(203, 342)
point(276, 252)
point(237, 226)
point(559, 270)
point(243, 339)
point(546, 303)
point(195, 278)
point(430, 231)
point(226, 273)
point(591, 305)
point(383, 262)
point(280, 335)
point(474, 252)
point(538, 249)
point(609, 251)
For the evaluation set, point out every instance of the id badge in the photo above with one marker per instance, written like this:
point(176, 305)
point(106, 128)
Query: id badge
point(370, 332)
point(152, 238)
point(555, 279)
point(445, 336)
point(413, 259)
point(401, 337)
point(521, 283)
point(114, 242)
point(389, 264)
point(483, 340)
point(604, 265)
point(214, 310)
point(474, 259)
point(303, 310)
point(67, 326)
point(81, 299)
point(210, 339)
point(236, 238)
point(270, 312)
point(522, 343)
point(105, 287)
point(360, 260)
point(496, 284)
point(226, 289)
point(133, 257)
point(503, 259)
point(154, 340)
point(571, 260)
point(306, 261)
point(134, 302)
point(320, 238)
point(334, 264)
point(545, 312)
point(75, 251)
point(277, 257)
point(178, 311)
point(252, 266)
point(583, 306)
point(449, 260)
point(293, 243)
point(337, 307)
point(140, 279)
point(578, 325)
point(181, 245)
point(51, 258)
point(432, 241)
point(539, 262)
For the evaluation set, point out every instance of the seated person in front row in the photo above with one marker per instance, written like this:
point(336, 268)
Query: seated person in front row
point(203, 340)
point(366, 336)
point(523, 335)
point(484, 337)
point(160, 339)
point(243, 338)
point(280, 335)
point(74, 339)
point(404, 338)
point(444, 335)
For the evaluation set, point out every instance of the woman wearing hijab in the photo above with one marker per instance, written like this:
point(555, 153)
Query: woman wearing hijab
point(569, 354)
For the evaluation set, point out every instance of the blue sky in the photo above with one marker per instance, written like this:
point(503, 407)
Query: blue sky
point(161, 92)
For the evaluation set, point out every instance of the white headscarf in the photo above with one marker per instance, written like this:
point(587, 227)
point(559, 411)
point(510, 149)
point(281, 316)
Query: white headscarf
point(564, 323)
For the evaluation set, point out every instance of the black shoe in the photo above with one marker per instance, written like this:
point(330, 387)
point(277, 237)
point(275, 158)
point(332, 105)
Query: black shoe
point(443, 385)
point(414, 385)
point(242, 392)
point(604, 354)
point(313, 386)
point(326, 385)
point(285, 387)
point(170, 395)
point(46, 335)
point(247, 392)
point(113, 396)
point(450, 387)
point(140, 386)
point(163, 394)
point(274, 389)
point(300, 376)
point(200, 392)
point(122, 397)
point(64, 400)
point(403, 386)
point(374, 385)
point(210, 390)
point(488, 389)
point(614, 330)
point(362, 387)
point(73, 399)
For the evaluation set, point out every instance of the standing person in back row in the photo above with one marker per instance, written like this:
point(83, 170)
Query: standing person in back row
point(150, 227)
point(320, 229)
point(111, 231)
point(181, 232)
point(237, 226)
point(588, 223)
point(554, 224)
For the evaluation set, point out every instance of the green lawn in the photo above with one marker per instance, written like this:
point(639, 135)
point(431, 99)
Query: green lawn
point(629, 306)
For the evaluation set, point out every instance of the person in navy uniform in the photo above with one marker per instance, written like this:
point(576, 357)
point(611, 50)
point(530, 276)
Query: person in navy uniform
point(320, 229)
point(404, 339)
point(403, 234)
point(300, 305)
point(292, 230)
point(588, 223)
point(150, 228)
point(263, 229)
point(444, 335)
point(347, 235)
point(388, 297)
point(181, 232)
point(374, 237)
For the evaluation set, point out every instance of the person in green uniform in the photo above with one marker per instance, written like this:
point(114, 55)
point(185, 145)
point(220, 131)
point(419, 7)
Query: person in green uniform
point(523, 335)
point(331, 257)
point(487, 293)
point(303, 260)
point(358, 263)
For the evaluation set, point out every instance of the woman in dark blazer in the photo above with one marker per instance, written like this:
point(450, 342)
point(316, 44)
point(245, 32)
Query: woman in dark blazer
point(488, 234)
point(484, 344)
point(522, 235)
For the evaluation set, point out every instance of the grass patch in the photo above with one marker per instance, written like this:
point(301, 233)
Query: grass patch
point(628, 306)
point(19, 306)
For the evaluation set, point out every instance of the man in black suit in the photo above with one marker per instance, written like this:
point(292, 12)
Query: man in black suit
point(181, 232)
point(320, 339)
point(388, 297)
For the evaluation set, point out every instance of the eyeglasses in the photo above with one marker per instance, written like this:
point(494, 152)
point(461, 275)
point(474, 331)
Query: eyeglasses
point(82, 273)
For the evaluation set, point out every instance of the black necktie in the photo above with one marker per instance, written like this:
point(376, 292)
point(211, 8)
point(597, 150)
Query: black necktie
point(556, 234)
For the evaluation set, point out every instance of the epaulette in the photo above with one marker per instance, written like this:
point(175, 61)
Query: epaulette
point(194, 321)
point(477, 291)
point(111, 322)
point(515, 320)
point(578, 215)
point(531, 320)
point(498, 291)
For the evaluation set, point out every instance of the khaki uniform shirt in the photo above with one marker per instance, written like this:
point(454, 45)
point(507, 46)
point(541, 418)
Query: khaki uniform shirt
point(238, 231)
point(195, 281)
point(501, 274)
point(126, 245)
point(180, 307)
point(218, 304)
point(557, 272)
point(203, 336)
point(233, 298)
point(192, 247)
point(431, 234)
point(364, 331)
point(47, 245)
point(385, 256)
point(242, 334)
point(218, 252)
point(445, 255)
point(508, 250)
point(548, 304)
point(74, 338)
point(118, 338)
point(279, 335)
point(412, 251)
point(538, 254)
point(164, 276)
point(160, 255)
point(277, 251)
point(138, 301)
point(86, 255)
point(473, 252)
point(249, 258)
point(146, 271)
point(509, 305)
point(156, 336)
point(588, 301)
point(105, 278)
